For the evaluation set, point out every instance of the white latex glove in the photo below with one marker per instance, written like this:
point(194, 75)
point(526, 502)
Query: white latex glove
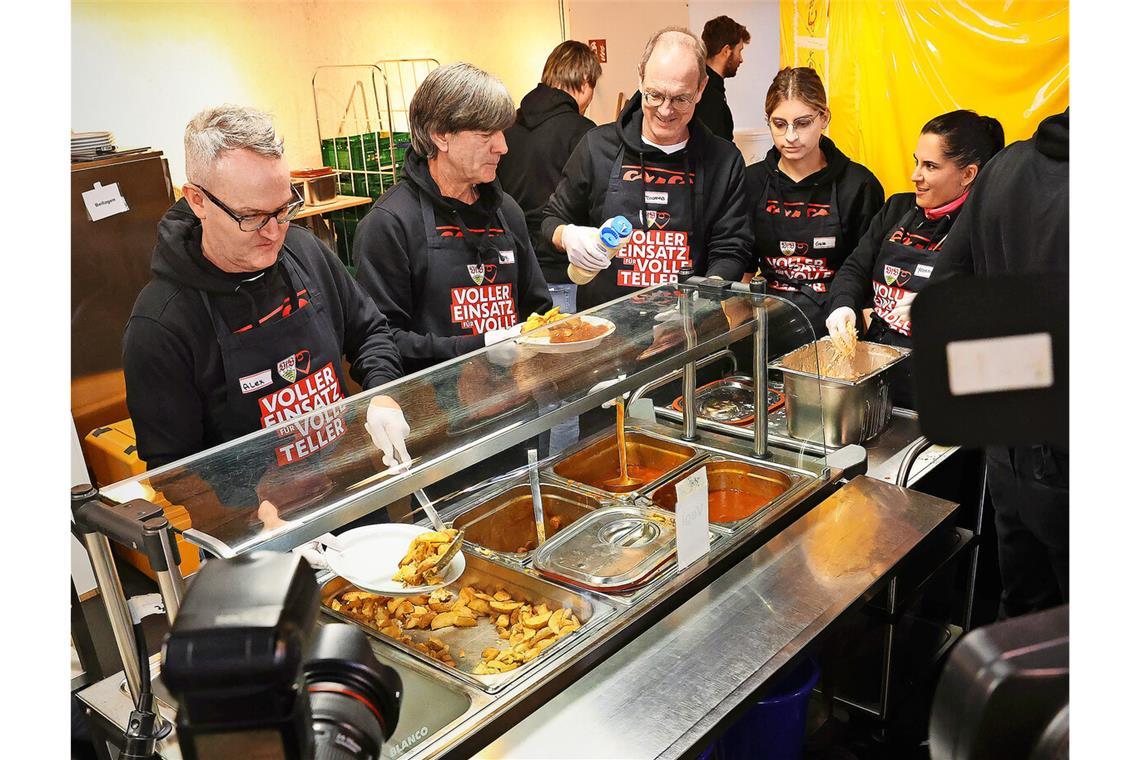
point(497, 336)
point(581, 248)
point(837, 323)
point(388, 428)
point(901, 311)
point(503, 351)
point(607, 384)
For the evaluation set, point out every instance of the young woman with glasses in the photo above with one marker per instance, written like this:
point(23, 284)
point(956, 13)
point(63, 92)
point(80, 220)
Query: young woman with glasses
point(811, 203)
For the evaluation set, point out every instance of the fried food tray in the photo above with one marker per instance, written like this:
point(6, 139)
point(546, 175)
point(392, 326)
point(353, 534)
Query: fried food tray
point(488, 577)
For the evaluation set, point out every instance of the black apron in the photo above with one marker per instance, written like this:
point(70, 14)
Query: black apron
point(477, 273)
point(283, 370)
point(663, 205)
point(903, 266)
point(805, 260)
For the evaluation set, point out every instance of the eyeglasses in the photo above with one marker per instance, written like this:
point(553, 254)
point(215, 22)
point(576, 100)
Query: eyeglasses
point(653, 99)
point(254, 222)
point(802, 124)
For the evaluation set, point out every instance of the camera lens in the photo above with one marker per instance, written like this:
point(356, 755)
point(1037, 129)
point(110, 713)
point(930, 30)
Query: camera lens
point(355, 701)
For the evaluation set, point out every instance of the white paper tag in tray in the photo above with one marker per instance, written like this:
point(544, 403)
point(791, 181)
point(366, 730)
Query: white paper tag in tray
point(692, 518)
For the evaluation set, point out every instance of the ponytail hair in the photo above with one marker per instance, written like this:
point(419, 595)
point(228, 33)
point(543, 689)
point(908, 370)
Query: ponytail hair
point(967, 138)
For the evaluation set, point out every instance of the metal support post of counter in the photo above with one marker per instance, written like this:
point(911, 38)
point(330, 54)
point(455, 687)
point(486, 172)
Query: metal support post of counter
point(689, 381)
point(758, 286)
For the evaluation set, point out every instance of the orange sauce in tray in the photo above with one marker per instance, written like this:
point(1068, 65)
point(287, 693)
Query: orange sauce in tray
point(728, 506)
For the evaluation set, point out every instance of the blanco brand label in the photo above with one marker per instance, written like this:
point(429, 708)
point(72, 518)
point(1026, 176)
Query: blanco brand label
point(1012, 363)
point(251, 383)
point(824, 242)
point(657, 199)
point(923, 270)
point(407, 743)
point(506, 257)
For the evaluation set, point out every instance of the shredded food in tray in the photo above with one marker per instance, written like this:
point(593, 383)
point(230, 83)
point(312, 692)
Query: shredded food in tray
point(418, 567)
point(524, 629)
point(864, 359)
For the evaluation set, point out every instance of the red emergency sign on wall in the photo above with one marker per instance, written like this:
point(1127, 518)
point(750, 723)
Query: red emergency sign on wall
point(599, 48)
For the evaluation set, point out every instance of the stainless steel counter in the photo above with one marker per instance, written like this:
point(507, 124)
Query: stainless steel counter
point(663, 692)
point(887, 450)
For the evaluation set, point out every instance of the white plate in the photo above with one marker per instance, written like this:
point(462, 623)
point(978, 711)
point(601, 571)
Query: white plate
point(371, 555)
point(543, 345)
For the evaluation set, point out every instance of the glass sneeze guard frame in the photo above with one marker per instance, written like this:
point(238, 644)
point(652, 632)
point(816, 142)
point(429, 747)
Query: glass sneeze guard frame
point(319, 471)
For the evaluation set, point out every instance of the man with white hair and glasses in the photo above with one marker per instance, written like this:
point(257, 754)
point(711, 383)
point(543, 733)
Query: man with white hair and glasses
point(247, 318)
point(680, 186)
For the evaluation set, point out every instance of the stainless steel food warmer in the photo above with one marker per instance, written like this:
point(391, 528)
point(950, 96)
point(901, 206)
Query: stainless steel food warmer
point(246, 496)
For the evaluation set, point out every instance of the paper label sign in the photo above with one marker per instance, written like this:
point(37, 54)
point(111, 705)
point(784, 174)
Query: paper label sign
point(692, 518)
point(102, 202)
point(990, 365)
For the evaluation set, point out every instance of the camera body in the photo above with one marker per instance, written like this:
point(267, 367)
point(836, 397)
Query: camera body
point(254, 680)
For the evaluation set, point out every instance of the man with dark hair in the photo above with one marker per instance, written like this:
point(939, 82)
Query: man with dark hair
point(724, 44)
point(548, 125)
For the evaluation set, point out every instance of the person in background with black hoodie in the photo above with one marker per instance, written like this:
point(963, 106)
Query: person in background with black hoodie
point(548, 125)
point(903, 246)
point(812, 203)
point(680, 186)
point(247, 318)
point(445, 254)
point(1017, 222)
point(724, 47)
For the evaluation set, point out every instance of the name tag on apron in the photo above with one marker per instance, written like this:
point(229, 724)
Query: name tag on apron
point(657, 199)
point(824, 242)
point(506, 257)
point(923, 270)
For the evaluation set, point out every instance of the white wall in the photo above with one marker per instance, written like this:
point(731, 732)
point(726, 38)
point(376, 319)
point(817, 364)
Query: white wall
point(746, 90)
point(626, 27)
point(142, 69)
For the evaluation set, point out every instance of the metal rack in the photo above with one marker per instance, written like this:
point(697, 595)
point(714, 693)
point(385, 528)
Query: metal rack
point(362, 127)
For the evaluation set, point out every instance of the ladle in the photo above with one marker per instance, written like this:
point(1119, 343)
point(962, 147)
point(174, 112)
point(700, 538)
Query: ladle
point(536, 496)
point(623, 482)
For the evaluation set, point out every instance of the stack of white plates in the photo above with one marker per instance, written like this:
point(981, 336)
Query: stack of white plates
point(88, 145)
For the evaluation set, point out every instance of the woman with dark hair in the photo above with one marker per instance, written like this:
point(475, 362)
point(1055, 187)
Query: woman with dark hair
point(900, 252)
point(811, 203)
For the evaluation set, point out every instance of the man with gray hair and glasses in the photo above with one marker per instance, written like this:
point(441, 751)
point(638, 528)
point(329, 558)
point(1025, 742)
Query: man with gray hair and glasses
point(247, 318)
point(680, 186)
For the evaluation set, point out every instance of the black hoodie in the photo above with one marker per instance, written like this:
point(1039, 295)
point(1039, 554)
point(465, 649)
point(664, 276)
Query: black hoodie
point(546, 129)
point(858, 194)
point(176, 385)
point(721, 241)
point(712, 109)
point(1016, 220)
point(414, 287)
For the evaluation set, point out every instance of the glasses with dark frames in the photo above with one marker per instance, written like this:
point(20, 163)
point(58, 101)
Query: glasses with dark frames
point(254, 222)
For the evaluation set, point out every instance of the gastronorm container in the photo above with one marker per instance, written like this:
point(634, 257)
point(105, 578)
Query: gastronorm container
point(737, 490)
point(729, 400)
point(612, 549)
point(853, 408)
point(487, 576)
point(505, 522)
point(649, 459)
point(319, 185)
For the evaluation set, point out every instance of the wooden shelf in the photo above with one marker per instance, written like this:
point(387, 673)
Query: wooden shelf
point(339, 203)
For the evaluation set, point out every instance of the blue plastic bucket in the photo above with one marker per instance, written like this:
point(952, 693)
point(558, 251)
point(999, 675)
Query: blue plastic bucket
point(773, 729)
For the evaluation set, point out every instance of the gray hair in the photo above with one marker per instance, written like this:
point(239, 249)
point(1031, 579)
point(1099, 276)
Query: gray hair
point(676, 36)
point(456, 98)
point(227, 127)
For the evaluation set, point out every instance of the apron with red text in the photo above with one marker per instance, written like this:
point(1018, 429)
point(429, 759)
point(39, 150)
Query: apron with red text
point(661, 204)
point(808, 235)
point(281, 371)
point(903, 267)
point(476, 270)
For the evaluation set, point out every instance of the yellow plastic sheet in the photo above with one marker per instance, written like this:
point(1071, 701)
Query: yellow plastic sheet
point(891, 65)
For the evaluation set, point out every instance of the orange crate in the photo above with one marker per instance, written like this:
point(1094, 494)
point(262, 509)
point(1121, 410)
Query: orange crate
point(111, 455)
